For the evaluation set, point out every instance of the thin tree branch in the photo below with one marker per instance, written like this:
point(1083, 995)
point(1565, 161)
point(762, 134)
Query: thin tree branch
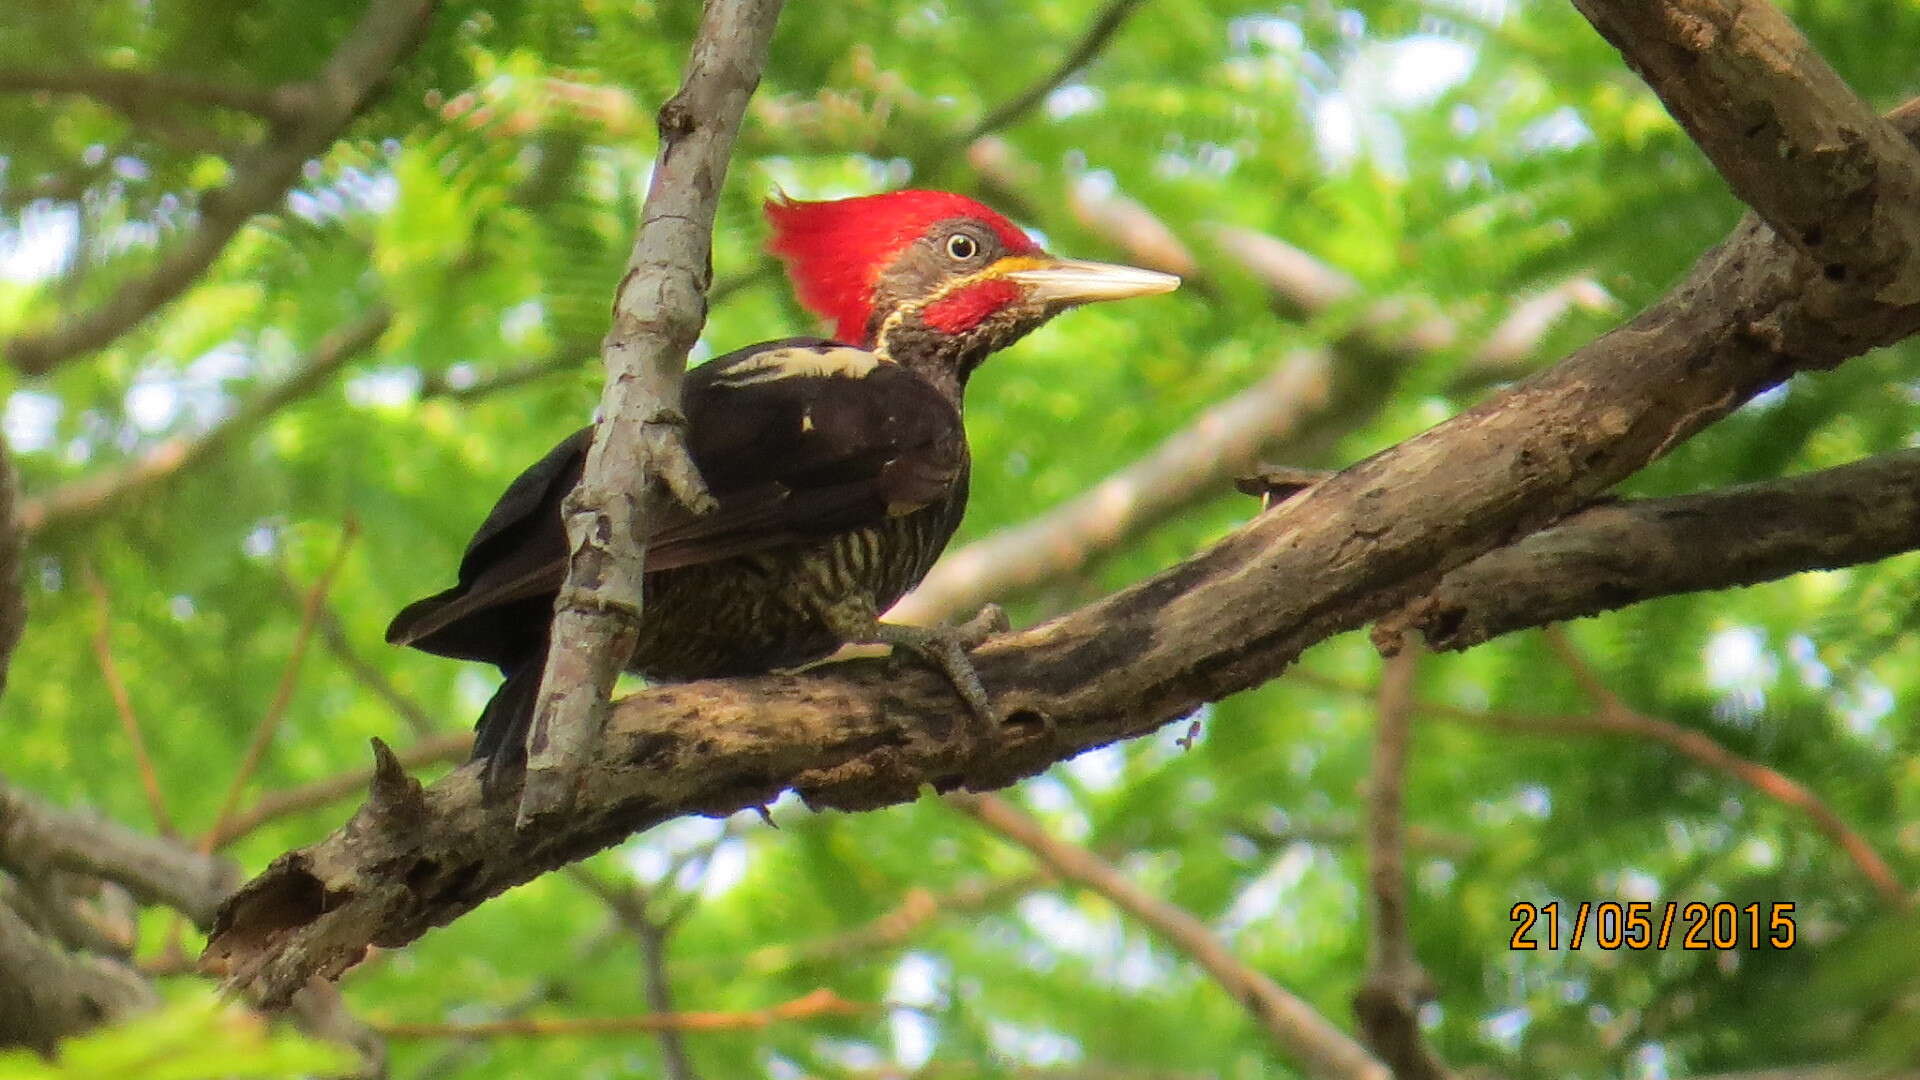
point(135, 93)
point(862, 734)
point(1619, 553)
point(639, 460)
point(86, 499)
point(817, 1005)
point(449, 748)
point(889, 930)
point(1388, 1002)
point(1098, 33)
point(1617, 716)
point(263, 733)
point(123, 703)
point(386, 33)
point(632, 905)
point(1297, 1030)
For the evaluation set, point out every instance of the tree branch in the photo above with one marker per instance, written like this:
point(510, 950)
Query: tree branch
point(1389, 999)
point(862, 734)
point(820, 1003)
point(1791, 138)
point(135, 93)
point(385, 34)
point(1098, 33)
point(86, 499)
point(639, 459)
point(450, 748)
point(1297, 1030)
point(35, 837)
point(47, 993)
point(1619, 553)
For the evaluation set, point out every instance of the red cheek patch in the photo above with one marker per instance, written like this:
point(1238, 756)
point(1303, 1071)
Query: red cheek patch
point(964, 309)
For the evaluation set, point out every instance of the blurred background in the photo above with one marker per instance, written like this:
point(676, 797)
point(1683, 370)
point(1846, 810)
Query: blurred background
point(274, 350)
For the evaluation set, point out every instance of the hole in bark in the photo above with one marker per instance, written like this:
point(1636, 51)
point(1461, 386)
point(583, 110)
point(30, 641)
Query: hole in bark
point(1029, 721)
point(1443, 626)
point(1835, 272)
point(421, 873)
point(91, 1010)
point(1813, 236)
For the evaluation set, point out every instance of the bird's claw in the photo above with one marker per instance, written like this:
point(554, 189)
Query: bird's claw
point(946, 648)
point(991, 619)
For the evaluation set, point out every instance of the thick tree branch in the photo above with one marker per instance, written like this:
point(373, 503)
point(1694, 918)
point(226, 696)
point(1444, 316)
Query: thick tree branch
point(1619, 553)
point(35, 838)
point(47, 993)
point(1790, 137)
point(385, 34)
point(88, 498)
point(639, 458)
point(1296, 1028)
point(857, 735)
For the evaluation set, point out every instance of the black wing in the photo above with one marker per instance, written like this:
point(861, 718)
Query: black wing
point(796, 439)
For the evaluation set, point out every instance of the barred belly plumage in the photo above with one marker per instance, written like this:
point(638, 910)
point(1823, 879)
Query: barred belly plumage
point(753, 612)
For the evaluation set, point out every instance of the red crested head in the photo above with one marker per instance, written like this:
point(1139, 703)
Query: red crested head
point(837, 251)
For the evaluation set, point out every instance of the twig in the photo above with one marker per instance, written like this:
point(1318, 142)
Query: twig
point(1389, 999)
point(90, 497)
point(1098, 33)
point(1616, 717)
point(1296, 1029)
point(891, 928)
point(1699, 747)
point(639, 460)
point(819, 1004)
point(449, 748)
point(263, 733)
point(123, 703)
point(334, 635)
point(385, 34)
point(632, 904)
point(137, 92)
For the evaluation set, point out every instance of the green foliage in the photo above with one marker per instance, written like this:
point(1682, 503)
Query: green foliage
point(1462, 153)
point(193, 1036)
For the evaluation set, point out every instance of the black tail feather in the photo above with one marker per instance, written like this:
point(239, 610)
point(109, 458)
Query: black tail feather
point(500, 735)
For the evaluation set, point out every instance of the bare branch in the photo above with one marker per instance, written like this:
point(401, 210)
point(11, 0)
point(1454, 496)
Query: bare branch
point(1790, 137)
point(136, 93)
point(1297, 1030)
point(35, 837)
point(86, 499)
point(1389, 999)
point(386, 33)
point(1349, 550)
point(639, 460)
point(820, 1003)
point(1619, 553)
point(1099, 32)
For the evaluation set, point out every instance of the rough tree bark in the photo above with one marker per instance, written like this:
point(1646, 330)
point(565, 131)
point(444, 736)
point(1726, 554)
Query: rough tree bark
point(1348, 551)
point(638, 457)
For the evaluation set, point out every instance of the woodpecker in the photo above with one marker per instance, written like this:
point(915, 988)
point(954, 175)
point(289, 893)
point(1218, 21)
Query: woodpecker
point(839, 466)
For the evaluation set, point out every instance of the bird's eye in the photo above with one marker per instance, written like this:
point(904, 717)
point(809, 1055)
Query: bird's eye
point(961, 246)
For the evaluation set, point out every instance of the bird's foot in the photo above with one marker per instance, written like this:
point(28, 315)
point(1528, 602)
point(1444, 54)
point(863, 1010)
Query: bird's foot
point(946, 648)
point(991, 619)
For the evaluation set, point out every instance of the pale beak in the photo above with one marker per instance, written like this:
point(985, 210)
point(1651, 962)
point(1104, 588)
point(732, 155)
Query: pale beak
point(1070, 281)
